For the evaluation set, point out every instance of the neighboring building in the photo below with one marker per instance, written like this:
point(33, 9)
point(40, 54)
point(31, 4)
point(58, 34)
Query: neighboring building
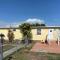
point(38, 33)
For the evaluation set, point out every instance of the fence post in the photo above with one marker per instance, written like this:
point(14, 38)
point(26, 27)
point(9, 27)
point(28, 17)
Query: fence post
point(1, 46)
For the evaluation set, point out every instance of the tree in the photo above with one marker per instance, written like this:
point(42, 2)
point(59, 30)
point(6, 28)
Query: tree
point(10, 35)
point(25, 29)
point(37, 24)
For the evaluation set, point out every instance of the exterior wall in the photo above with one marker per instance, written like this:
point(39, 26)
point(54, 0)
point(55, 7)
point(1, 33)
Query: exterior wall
point(55, 35)
point(17, 33)
point(4, 31)
point(42, 37)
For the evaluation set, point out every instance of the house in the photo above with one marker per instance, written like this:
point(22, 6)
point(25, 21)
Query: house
point(39, 33)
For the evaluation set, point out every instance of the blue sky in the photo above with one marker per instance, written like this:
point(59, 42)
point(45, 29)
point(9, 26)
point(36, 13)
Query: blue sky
point(15, 11)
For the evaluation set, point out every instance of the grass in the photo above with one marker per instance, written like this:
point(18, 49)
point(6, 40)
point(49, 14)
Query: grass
point(7, 41)
point(21, 54)
point(25, 54)
point(7, 47)
point(53, 56)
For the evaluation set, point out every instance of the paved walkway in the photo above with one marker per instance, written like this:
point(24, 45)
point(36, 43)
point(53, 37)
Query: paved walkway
point(52, 48)
point(6, 53)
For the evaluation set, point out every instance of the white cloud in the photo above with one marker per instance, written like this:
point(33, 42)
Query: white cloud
point(30, 20)
point(16, 24)
point(34, 20)
point(8, 24)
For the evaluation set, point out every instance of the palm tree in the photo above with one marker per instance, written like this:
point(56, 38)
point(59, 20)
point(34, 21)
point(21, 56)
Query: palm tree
point(25, 29)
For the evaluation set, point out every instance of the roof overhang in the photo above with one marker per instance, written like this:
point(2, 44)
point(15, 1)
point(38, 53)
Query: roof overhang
point(35, 27)
point(47, 27)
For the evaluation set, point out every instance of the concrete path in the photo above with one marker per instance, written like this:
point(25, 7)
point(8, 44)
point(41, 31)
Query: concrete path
point(51, 48)
point(6, 53)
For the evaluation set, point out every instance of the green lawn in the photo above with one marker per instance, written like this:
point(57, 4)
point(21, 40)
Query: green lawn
point(53, 56)
point(7, 47)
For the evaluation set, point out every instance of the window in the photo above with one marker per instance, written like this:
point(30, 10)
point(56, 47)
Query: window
point(38, 31)
point(14, 29)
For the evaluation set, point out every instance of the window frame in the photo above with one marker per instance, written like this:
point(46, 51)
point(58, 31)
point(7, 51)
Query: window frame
point(38, 31)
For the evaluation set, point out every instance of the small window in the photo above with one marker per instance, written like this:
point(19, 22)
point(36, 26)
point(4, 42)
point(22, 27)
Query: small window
point(14, 29)
point(38, 31)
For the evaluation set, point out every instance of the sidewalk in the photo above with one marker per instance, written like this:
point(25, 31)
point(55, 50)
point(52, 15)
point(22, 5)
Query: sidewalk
point(52, 48)
point(6, 53)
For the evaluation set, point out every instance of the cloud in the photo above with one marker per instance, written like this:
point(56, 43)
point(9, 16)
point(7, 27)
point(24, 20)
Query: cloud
point(8, 24)
point(30, 20)
point(16, 24)
point(34, 20)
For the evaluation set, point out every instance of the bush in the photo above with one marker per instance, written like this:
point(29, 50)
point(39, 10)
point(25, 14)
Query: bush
point(10, 35)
